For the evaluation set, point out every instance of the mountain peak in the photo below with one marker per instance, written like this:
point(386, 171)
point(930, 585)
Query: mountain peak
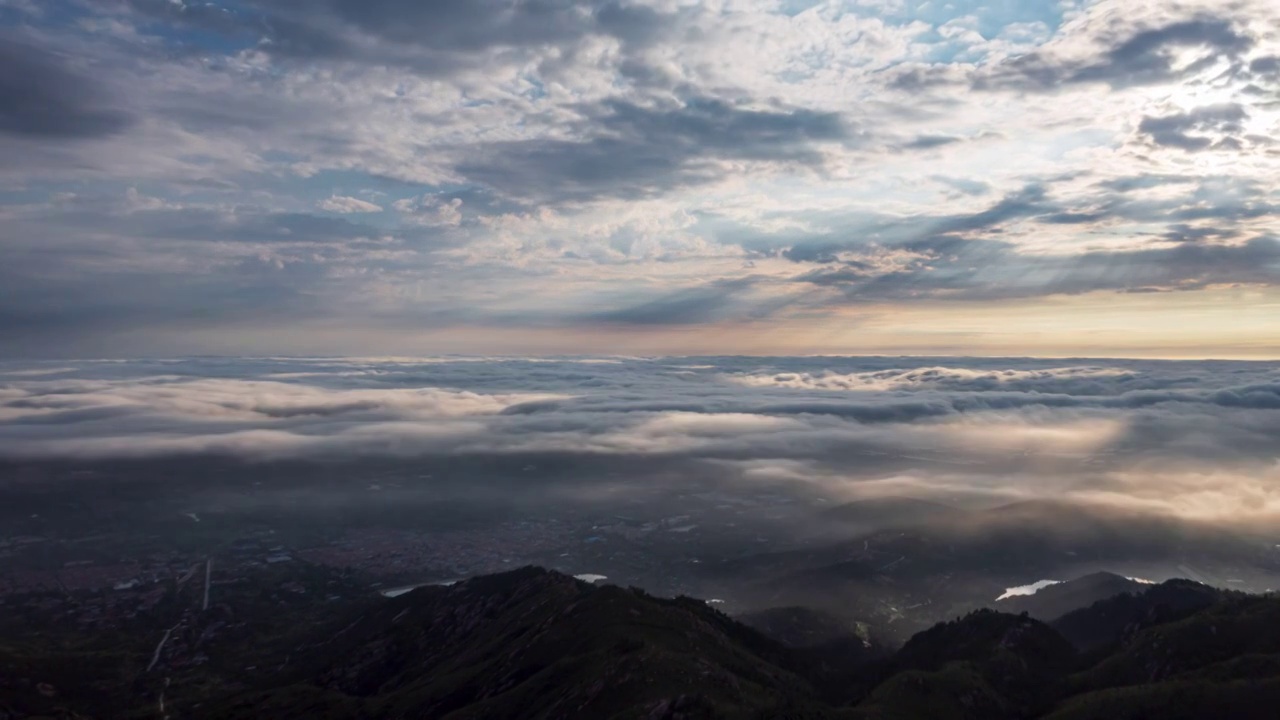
point(1053, 601)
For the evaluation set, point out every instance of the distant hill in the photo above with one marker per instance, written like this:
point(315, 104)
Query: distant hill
point(902, 579)
point(1054, 601)
point(1108, 621)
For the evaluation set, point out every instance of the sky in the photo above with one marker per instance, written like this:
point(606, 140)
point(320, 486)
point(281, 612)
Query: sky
point(545, 177)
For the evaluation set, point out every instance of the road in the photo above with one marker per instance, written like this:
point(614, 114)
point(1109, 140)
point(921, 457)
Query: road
point(155, 658)
point(208, 571)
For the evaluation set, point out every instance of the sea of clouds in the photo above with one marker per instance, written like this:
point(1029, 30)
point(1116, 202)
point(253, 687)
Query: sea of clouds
point(1199, 439)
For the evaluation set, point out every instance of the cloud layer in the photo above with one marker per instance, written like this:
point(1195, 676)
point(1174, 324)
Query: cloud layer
point(1192, 438)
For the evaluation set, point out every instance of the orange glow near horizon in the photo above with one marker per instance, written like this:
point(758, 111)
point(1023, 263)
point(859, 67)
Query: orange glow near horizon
point(1232, 323)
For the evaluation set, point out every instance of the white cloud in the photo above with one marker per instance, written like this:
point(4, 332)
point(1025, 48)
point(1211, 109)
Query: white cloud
point(1049, 379)
point(431, 211)
point(344, 204)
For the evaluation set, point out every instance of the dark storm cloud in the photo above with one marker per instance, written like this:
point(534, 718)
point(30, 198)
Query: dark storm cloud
point(818, 252)
point(968, 186)
point(148, 218)
point(467, 24)
point(928, 142)
point(963, 256)
point(1269, 65)
point(1148, 56)
point(432, 37)
point(1210, 127)
point(1142, 58)
point(841, 233)
point(70, 306)
point(1182, 232)
point(1228, 201)
point(923, 232)
point(43, 96)
point(1072, 218)
point(919, 77)
point(1132, 57)
point(253, 226)
point(1144, 182)
point(1025, 202)
point(249, 264)
point(972, 269)
point(634, 151)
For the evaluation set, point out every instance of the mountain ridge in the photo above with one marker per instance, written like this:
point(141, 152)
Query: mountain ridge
point(535, 643)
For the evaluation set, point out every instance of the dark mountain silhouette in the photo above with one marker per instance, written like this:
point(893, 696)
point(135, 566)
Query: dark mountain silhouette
point(1221, 661)
point(1110, 620)
point(536, 644)
point(985, 665)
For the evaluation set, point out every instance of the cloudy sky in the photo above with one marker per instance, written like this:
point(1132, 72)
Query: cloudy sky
point(1026, 177)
